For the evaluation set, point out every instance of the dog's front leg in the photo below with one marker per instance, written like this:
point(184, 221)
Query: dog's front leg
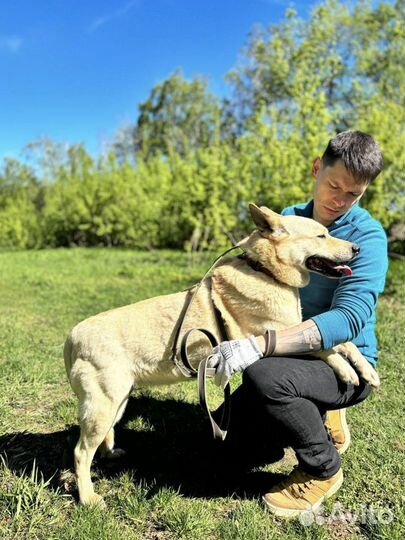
point(340, 366)
point(359, 362)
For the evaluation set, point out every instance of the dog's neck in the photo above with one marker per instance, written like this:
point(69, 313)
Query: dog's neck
point(271, 256)
point(256, 265)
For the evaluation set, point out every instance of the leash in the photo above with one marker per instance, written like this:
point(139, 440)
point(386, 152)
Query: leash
point(220, 427)
point(184, 366)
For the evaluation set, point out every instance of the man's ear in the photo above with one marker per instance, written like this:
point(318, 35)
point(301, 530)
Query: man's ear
point(267, 220)
point(316, 167)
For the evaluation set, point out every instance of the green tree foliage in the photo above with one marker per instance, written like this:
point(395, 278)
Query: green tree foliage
point(183, 174)
point(21, 201)
point(178, 116)
point(341, 56)
point(103, 203)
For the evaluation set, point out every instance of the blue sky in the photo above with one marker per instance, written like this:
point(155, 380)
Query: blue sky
point(75, 70)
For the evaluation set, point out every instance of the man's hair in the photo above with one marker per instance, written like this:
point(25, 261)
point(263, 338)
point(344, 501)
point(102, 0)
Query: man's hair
point(359, 153)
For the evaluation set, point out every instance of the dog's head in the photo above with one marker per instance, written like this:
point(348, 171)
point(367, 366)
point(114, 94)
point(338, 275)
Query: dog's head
point(292, 246)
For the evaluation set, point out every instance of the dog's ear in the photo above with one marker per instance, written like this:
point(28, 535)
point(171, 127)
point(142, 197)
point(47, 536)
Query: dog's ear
point(267, 220)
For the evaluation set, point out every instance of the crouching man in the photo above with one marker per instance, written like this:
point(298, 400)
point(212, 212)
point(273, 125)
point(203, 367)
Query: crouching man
point(295, 397)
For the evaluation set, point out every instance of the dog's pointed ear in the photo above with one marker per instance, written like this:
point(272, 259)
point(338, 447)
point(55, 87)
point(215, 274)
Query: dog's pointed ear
point(267, 220)
point(258, 217)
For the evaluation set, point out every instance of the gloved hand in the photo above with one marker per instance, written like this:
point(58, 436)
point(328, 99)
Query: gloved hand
point(230, 357)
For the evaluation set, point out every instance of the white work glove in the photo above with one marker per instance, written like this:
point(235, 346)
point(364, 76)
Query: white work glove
point(229, 357)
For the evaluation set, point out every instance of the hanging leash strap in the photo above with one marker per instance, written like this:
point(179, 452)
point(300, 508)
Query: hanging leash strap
point(220, 428)
point(183, 363)
point(185, 366)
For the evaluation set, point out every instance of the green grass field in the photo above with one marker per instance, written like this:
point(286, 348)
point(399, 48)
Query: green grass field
point(165, 487)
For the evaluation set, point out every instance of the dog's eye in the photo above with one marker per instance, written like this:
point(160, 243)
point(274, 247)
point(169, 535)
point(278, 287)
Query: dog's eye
point(321, 236)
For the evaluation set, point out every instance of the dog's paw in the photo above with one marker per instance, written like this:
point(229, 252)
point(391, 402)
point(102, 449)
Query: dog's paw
point(94, 500)
point(370, 376)
point(347, 374)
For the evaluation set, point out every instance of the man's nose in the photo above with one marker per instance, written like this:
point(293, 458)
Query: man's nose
point(355, 249)
point(339, 203)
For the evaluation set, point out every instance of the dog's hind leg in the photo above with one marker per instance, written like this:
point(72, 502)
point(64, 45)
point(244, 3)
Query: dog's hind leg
point(101, 400)
point(107, 447)
point(94, 425)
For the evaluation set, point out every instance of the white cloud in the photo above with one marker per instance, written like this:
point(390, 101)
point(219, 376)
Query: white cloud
point(101, 21)
point(97, 23)
point(10, 44)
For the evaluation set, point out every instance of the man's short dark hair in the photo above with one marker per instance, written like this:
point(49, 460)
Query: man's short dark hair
point(359, 153)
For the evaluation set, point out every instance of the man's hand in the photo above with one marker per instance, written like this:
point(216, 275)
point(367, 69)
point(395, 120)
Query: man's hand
point(233, 356)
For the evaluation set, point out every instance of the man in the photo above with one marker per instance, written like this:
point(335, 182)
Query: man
point(291, 395)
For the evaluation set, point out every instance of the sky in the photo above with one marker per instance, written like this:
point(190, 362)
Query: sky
point(75, 71)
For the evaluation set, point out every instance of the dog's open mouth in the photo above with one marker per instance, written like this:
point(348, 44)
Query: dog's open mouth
point(328, 268)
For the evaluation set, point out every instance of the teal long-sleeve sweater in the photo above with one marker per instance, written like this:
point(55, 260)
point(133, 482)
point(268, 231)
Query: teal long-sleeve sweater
point(345, 309)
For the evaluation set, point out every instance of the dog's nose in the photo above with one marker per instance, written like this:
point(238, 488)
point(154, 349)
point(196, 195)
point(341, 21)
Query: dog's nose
point(355, 249)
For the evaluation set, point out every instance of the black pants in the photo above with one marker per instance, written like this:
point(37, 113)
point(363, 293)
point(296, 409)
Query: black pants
point(282, 402)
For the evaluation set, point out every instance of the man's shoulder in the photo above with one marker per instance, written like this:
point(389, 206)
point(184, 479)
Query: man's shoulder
point(364, 222)
point(363, 229)
point(303, 209)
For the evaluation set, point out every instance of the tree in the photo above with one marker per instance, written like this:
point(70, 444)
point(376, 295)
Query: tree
point(178, 116)
point(342, 55)
point(21, 201)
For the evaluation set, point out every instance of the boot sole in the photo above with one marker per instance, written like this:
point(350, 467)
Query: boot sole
point(294, 512)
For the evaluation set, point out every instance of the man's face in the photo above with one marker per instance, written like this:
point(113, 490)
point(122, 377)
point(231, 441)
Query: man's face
point(336, 191)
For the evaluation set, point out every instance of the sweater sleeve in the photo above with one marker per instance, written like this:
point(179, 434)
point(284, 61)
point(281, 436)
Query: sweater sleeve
point(355, 298)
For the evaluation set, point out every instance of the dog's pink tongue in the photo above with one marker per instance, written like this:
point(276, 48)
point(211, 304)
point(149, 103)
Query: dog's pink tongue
point(344, 270)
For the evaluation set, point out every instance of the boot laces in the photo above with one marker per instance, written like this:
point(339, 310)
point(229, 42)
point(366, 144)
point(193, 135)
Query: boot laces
point(297, 483)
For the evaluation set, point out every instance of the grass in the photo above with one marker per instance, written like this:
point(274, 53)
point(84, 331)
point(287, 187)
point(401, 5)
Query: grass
point(165, 488)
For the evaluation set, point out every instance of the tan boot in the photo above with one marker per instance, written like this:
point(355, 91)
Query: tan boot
point(301, 492)
point(338, 429)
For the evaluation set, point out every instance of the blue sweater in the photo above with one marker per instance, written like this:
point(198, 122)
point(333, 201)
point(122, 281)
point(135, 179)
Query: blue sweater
point(344, 309)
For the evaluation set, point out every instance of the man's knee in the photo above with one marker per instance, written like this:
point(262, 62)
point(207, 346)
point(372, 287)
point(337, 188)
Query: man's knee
point(269, 377)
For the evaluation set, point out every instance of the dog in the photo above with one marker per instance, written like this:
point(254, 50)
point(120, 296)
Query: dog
point(107, 355)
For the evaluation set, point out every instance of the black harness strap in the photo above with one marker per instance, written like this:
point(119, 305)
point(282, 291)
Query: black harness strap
point(256, 265)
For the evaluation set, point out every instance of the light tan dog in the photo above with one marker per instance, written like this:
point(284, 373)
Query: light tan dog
point(110, 353)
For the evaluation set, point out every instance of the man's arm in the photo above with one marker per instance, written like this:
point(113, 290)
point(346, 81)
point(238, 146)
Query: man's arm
point(300, 339)
point(236, 355)
point(352, 305)
point(355, 298)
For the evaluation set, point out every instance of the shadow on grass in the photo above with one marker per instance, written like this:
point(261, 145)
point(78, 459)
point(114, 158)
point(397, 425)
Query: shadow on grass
point(175, 450)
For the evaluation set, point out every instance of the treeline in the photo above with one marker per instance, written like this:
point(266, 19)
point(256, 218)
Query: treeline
point(182, 175)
